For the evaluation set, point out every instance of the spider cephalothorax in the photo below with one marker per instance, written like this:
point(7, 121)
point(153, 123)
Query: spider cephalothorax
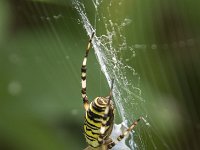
point(99, 115)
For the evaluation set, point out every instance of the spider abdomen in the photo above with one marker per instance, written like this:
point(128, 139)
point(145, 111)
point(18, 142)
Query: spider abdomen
point(94, 118)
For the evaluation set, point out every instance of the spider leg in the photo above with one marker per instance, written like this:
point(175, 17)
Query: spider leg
point(103, 127)
point(109, 143)
point(104, 141)
point(83, 75)
point(112, 144)
point(110, 95)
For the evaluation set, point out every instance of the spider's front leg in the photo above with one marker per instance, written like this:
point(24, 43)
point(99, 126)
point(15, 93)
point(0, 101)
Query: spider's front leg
point(124, 134)
point(103, 127)
point(102, 139)
point(83, 75)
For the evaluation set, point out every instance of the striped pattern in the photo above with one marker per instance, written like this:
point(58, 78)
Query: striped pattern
point(94, 118)
point(93, 123)
point(83, 75)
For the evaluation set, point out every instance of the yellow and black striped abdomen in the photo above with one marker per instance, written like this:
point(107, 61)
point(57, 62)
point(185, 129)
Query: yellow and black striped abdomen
point(93, 121)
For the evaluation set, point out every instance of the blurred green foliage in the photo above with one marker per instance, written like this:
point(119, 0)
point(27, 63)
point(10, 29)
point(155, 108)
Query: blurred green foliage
point(41, 50)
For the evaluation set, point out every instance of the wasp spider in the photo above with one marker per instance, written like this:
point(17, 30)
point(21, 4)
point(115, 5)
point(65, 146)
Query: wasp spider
point(99, 115)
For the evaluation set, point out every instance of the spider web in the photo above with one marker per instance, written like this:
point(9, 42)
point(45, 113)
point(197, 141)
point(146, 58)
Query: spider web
point(109, 47)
